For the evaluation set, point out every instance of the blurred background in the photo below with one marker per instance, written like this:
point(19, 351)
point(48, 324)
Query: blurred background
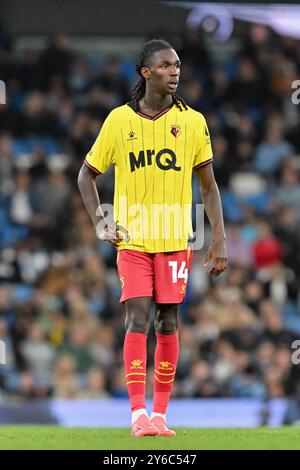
point(65, 66)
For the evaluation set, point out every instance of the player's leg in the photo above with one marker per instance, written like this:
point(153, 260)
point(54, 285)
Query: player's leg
point(165, 363)
point(170, 280)
point(135, 360)
point(136, 274)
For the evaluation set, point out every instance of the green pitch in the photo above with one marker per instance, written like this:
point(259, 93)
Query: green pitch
point(54, 437)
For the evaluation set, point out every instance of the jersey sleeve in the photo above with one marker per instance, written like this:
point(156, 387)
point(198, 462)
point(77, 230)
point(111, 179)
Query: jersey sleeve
point(204, 154)
point(101, 155)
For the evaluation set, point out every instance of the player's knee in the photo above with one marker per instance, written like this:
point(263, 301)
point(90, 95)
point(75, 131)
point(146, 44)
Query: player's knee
point(137, 318)
point(137, 322)
point(166, 323)
point(167, 327)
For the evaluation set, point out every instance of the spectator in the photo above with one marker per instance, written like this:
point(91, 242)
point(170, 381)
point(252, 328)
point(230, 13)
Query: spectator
point(272, 150)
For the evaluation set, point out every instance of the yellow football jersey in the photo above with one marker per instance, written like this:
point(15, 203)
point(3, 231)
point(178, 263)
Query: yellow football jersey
point(154, 158)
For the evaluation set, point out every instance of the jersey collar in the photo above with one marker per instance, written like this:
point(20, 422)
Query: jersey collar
point(136, 109)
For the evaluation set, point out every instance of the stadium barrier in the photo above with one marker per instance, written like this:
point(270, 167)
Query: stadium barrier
point(109, 412)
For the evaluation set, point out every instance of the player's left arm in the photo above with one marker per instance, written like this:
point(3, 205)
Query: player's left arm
point(217, 253)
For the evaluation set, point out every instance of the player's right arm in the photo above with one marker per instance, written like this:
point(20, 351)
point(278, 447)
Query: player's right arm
point(97, 161)
point(89, 193)
point(105, 230)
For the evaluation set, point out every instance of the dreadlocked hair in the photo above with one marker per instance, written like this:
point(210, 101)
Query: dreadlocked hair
point(139, 90)
point(179, 102)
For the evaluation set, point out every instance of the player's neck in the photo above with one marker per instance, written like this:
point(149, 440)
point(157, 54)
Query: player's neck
point(153, 103)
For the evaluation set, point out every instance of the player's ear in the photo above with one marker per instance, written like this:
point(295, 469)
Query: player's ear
point(145, 72)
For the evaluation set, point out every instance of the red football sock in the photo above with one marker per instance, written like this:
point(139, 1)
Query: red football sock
point(165, 362)
point(135, 358)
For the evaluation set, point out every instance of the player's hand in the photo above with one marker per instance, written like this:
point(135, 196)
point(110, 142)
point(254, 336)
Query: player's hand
point(111, 232)
point(216, 258)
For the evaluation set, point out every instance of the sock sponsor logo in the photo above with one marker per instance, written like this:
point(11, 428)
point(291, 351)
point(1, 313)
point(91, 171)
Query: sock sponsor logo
point(165, 365)
point(136, 364)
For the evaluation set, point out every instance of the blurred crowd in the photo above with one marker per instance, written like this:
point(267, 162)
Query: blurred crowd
point(59, 312)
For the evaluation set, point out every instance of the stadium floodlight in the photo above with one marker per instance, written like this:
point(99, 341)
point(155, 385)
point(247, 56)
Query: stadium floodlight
point(217, 18)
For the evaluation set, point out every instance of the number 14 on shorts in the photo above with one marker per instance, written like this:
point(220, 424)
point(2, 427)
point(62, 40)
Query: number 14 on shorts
point(181, 273)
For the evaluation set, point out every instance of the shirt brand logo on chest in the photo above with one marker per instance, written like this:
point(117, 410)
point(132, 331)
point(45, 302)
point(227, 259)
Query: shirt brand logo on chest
point(131, 136)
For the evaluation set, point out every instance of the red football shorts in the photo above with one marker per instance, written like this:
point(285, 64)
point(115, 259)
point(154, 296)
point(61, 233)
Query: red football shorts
point(162, 276)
